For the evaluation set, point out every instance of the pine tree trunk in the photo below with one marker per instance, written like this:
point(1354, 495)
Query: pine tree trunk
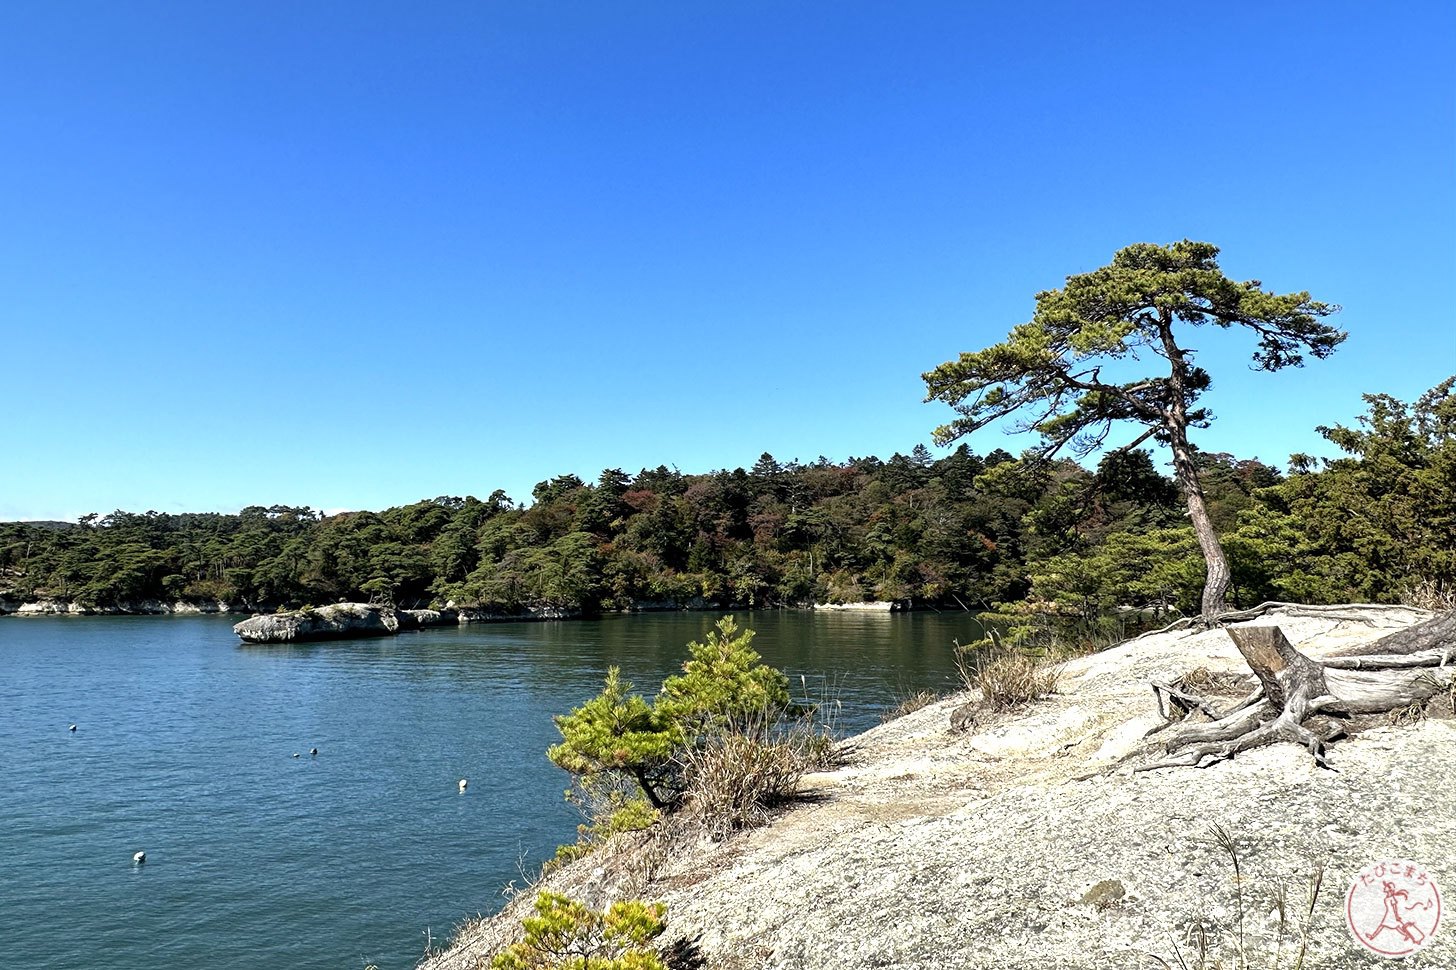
point(649, 789)
point(1175, 420)
point(1216, 585)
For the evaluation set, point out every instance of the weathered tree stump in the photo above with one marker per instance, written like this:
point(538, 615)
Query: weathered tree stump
point(1307, 701)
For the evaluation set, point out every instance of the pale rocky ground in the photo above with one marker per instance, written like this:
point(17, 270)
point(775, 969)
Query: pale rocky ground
point(932, 848)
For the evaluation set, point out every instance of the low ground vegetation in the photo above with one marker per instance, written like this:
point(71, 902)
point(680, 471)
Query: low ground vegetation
point(736, 778)
point(909, 703)
point(609, 814)
point(1008, 679)
point(565, 934)
point(1205, 945)
point(1002, 680)
point(719, 747)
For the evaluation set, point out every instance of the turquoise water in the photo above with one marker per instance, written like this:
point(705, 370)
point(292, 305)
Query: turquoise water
point(366, 852)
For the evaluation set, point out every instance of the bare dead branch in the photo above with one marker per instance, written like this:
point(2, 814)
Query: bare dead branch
point(1302, 699)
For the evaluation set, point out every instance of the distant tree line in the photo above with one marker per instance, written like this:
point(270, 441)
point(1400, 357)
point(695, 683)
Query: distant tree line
point(1049, 538)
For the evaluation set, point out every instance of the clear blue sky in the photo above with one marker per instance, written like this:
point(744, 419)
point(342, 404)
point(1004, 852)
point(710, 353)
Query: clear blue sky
point(351, 255)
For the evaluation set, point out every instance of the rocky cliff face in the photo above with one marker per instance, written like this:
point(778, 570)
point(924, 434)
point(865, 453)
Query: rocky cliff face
point(1021, 843)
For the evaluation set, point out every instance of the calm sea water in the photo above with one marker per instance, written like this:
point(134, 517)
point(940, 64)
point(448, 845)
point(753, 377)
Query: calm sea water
point(255, 859)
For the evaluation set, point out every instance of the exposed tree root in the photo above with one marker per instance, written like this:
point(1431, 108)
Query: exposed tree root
point(1304, 700)
point(1176, 703)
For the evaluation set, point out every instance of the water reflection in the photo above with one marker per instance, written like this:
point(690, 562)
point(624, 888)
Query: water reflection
point(184, 748)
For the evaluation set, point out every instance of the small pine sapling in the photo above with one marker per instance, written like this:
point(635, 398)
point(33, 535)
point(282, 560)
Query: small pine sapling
point(569, 935)
point(724, 685)
point(621, 732)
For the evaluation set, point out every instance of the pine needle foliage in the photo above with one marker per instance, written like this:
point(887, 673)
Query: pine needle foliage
point(569, 935)
point(1059, 374)
point(619, 731)
point(724, 682)
point(612, 813)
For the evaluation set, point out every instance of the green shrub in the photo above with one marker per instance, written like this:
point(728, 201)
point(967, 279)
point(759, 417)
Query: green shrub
point(569, 935)
point(717, 740)
point(618, 731)
point(613, 814)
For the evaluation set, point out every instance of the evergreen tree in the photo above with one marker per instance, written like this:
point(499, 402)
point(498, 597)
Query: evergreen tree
point(724, 683)
point(1050, 370)
point(619, 731)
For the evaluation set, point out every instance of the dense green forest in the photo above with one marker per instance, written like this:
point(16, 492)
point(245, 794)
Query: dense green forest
point(965, 531)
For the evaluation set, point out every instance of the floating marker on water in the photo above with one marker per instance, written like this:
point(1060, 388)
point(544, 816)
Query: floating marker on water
point(139, 858)
point(463, 785)
point(73, 727)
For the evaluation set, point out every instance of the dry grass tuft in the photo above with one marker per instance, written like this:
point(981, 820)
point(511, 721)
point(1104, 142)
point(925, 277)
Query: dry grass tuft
point(909, 704)
point(1007, 680)
point(1207, 942)
point(1201, 680)
point(1410, 714)
point(1441, 704)
point(735, 780)
point(1428, 595)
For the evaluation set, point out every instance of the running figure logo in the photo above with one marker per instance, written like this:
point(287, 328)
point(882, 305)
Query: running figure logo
point(1393, 908)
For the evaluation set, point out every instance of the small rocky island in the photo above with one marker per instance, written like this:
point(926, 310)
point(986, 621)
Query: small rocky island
point(348, 621)
point(341, 621)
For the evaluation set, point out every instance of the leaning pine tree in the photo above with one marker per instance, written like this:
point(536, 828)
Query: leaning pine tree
point(1141, 306)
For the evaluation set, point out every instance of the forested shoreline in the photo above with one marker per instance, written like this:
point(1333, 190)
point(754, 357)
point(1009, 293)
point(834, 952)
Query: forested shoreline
point(1028, 539)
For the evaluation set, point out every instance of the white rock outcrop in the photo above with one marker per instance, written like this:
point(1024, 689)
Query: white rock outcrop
point(47, 607)
point(872, 606)
point(1022, 844)
point(339, 621)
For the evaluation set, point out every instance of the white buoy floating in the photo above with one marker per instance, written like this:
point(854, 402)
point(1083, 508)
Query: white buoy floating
point(464, 784)
point(139, 858)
